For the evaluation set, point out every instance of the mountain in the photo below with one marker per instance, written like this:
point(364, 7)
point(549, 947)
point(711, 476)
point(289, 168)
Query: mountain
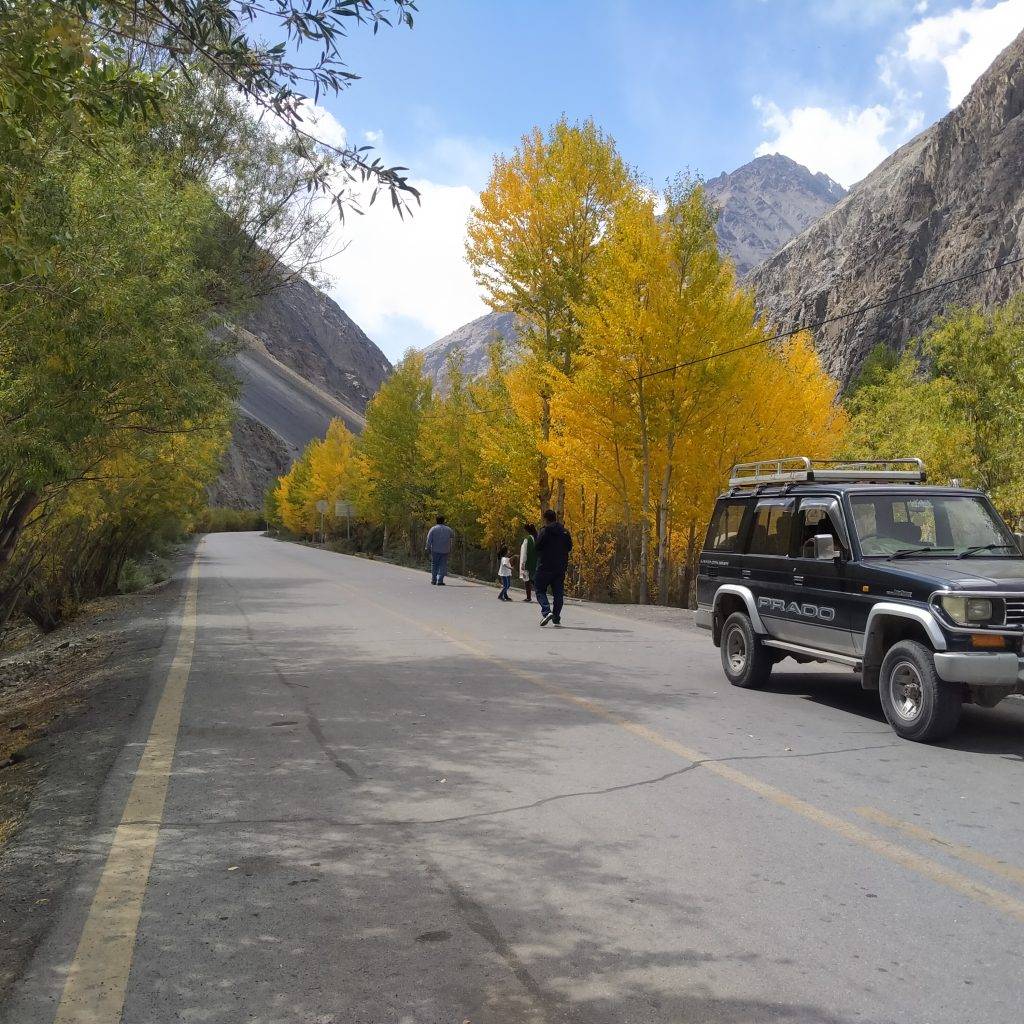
point(948, 203)
point(473, 340)
point(302, 361)
point(762, 205)
point(765, 203)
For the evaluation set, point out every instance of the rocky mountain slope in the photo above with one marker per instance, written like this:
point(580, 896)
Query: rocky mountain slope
point(302, 361)
point(765, 203)
point(473, 340)
point(762, 204)
point(948, 203)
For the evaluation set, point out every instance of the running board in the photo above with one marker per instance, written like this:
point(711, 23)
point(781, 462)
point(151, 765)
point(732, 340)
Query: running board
point(813, 652)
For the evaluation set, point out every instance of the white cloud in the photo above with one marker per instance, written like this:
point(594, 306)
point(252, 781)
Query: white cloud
point(848, 142)
point(845, 144)
point(964, 41)
point(410, 269)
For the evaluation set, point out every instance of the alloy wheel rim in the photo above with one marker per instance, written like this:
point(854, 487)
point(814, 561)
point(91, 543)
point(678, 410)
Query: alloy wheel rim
point(736, 650)
point(906, 690)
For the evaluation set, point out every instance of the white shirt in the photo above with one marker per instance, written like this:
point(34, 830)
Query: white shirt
point(505, 569)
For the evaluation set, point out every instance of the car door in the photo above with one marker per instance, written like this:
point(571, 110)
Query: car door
point(823, 601)
point(767, 567)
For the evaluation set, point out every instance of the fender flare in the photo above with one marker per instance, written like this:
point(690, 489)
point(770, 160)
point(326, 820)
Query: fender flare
point(748, 599)
point(922, 616)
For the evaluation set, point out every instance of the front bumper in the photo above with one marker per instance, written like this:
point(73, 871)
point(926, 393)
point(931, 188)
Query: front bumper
point(980, 668)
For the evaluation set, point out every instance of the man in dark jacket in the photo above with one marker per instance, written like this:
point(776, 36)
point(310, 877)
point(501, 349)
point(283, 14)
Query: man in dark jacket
point(553, 546)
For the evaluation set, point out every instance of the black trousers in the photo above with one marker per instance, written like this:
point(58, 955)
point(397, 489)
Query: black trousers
point(557, 585)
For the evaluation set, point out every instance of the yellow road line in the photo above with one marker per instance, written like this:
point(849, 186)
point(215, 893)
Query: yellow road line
point(901, 855)
point(965, 853)
point(94, 991)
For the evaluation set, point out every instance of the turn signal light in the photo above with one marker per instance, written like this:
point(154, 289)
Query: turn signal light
point(987, 640)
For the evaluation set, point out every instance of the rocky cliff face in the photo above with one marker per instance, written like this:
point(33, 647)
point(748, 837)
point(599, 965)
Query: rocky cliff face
point(473, 340)
point(765, 203)
point(302, 361)
point(948, 203)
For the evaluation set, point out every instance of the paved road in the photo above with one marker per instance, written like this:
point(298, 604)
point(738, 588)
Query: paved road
point(392, 803)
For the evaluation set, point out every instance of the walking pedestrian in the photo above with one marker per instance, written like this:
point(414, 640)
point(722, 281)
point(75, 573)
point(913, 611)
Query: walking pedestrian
point(439, 547)
point(528, 558)
point(554, 543)
point(504, 574)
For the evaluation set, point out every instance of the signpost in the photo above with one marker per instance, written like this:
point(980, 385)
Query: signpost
point(344, 508)
point(321, 507)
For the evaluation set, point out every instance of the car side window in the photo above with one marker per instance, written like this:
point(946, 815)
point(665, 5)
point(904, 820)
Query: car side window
point(726, 526)
point(813, 520)
point(772, 528)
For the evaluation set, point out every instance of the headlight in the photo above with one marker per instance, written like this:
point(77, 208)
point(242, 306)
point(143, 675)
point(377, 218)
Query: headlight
point(972, 611)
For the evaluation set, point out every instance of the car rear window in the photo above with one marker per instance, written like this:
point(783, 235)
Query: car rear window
point(772, 529)
point(726, 525)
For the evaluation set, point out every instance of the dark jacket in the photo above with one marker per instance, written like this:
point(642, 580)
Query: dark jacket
point(554, 543)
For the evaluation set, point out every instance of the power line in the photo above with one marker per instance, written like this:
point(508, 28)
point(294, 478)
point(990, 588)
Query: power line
point(829, 320)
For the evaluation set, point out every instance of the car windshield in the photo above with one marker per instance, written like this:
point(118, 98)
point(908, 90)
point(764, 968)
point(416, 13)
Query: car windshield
point(955, 524)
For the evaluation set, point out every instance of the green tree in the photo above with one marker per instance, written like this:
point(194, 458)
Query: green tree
point(113, 346)
point(390, 454)
point(959, 404)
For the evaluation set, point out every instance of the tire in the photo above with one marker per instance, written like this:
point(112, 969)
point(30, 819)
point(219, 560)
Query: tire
point(917, 703)
point(747, 663)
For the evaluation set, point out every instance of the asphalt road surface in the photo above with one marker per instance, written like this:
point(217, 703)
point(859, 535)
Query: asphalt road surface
point(355, 798)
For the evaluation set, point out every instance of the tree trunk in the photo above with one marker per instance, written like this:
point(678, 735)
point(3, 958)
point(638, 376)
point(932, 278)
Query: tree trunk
point(688, 567)
point(544, 481)
point(12, 522)
point(645, 501)
point(662, 568)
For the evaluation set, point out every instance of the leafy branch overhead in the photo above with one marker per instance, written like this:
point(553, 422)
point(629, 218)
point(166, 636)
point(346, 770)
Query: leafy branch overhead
point(96, 60)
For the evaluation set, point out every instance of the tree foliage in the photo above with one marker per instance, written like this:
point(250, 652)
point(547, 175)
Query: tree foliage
point(612, 287)
point(534, 242)
point(956, 399)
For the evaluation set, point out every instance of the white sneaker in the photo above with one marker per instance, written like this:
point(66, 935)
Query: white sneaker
point(545, 619)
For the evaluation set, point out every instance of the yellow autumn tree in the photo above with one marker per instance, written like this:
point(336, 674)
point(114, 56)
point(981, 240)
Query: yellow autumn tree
point(533, 241)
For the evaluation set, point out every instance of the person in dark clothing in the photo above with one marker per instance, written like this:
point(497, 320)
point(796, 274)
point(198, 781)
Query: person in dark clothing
point(439, 547)
point(554, 543)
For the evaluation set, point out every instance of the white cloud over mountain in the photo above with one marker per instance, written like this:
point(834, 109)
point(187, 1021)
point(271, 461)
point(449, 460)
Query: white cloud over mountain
point(847, 142)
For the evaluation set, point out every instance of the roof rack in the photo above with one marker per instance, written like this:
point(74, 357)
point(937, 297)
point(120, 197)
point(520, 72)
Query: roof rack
point(799, 468)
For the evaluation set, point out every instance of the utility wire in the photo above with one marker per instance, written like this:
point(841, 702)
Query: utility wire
point(830, 319)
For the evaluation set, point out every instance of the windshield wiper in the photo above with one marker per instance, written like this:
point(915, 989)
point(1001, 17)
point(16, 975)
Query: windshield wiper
point(984, 547)
point(903, 552)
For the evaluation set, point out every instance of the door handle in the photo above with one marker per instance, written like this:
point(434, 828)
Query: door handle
point(798, 579)
point(745, 573)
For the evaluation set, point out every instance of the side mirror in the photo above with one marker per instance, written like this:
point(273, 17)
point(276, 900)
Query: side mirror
point(825, 547)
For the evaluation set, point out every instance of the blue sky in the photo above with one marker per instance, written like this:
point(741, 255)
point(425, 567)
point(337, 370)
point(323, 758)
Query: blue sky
point(703, 85)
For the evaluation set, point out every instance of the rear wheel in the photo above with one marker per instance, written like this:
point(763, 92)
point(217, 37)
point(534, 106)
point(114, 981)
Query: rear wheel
point(745, 660)
point(917, 703)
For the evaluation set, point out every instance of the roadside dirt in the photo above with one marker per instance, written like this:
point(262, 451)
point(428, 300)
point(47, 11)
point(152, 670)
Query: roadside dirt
point(46, 680)
point(67, 703)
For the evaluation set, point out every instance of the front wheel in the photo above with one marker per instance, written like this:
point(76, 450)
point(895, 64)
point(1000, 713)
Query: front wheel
point(917, 703)
point(746, 661)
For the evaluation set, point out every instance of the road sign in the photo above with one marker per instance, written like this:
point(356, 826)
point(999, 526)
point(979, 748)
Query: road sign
point(321, 506)
point(343, 508)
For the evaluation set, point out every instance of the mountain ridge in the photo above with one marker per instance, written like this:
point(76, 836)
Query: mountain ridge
point(947, 203)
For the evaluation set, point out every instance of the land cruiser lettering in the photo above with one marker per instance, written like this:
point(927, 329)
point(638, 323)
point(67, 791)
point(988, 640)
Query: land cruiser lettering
point(918, 589)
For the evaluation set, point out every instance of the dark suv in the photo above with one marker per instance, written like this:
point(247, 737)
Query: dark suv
point(919, 589)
